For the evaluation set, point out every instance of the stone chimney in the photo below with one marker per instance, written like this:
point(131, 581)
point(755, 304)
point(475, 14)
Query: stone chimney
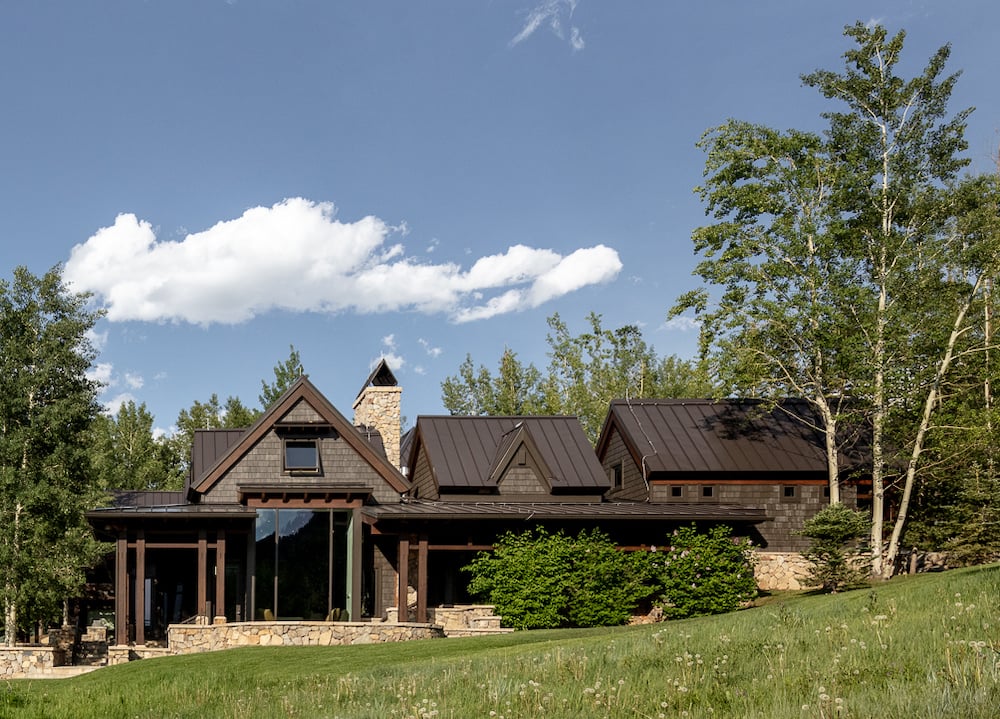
point(378, 407)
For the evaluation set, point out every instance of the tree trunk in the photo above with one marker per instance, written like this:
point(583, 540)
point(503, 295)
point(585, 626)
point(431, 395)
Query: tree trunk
point(925, 422)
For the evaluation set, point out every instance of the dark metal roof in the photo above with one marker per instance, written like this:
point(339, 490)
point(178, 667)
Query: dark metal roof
point(462, 450)
point(726, 436)
point(208, 446)
point(629, 511)
point(179, 510)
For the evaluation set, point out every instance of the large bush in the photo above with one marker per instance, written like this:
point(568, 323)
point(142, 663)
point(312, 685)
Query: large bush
point(700, 573)
point(836, 555)
point(539, 580)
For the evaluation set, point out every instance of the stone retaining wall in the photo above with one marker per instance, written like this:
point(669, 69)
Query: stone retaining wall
point(461, 620)
point(776, 571)
point(28, 662)
point(191, 638)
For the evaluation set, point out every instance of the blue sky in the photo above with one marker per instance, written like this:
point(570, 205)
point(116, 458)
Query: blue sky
point(414, 180)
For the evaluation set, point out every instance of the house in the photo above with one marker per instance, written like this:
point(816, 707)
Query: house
point(705, 453)
point(306, 516)
point(270, 523)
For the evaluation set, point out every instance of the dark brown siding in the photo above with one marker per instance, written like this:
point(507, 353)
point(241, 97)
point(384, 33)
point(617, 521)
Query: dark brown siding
point(633, 488)
point(341, 465)
point(423, 480)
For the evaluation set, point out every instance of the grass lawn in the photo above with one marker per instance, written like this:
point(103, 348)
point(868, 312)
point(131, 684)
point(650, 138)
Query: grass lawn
point(915, 647)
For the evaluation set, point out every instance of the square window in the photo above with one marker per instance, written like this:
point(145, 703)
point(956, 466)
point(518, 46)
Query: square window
point(788, 492)
point(301, 455)
point(677, 492)
point(708, 492)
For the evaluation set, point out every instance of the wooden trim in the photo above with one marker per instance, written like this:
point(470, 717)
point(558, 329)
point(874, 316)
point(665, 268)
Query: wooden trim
point(220, 575)
point(140, 588)
point(718, 482)
point(356, 564)
point(422, 580)
point(403, 573)
point(202, 571)
point(172, 545)
point(460, 547)
point(291, 502)
point(121, 589)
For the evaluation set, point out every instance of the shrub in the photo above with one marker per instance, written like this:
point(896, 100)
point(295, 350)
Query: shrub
point(700, 573)
point(835, 555)
point(539, 580)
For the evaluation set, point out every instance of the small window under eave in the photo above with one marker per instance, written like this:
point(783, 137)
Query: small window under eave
point(301, 455)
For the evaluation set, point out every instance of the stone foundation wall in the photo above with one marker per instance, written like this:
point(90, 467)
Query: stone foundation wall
point(190, 638)
point(776, 571)
point(28, 662)
point(463, 620)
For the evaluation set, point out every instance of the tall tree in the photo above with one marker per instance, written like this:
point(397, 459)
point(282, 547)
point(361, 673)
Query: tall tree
point(46, 483)
point(285, 373)
point(128, 456)
point(899, 144)
point(516, 389)
point(839, 276)
point(585, 373)
point(778, 326)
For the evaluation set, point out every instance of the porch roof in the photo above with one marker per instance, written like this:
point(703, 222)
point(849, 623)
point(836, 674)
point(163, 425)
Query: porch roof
point(446, 511)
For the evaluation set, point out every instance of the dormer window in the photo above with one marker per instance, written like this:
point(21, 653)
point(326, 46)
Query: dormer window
point(301, 455)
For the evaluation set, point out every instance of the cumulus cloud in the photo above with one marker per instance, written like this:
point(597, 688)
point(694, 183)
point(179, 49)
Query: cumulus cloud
point(297, 256)
point(551, 14)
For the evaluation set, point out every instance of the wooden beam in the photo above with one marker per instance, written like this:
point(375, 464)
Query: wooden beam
point(140, 588)
point(202, 572)
point(422, 580)
point(220, 575)
point(121, 589)
point(403, 573)
point(356, 560)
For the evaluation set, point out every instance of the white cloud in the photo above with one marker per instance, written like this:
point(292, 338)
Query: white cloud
point(101, 373)
point(550, 13)
point(395, 361)
point(134, 381)
point(389, 341)
point(114, 404)
point(432, 351)
point(682, 323)
point(296, 256)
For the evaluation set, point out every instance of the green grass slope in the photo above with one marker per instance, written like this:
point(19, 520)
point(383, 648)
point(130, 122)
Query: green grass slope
point(915, 647)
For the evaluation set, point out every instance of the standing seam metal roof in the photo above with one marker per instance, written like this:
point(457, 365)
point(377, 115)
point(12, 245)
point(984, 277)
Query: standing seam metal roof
point(728, 436)
point(462, 450)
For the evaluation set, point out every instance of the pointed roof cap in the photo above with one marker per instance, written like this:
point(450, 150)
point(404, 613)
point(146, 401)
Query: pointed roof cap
point(381, 376)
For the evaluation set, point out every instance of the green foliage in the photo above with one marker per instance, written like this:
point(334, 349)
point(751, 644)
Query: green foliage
point(539, 580)
point(585, 373)
point(700, 572)
point(47, 405)
point(285, 373)
point(515, 390)
point(836, 561)
point(126, 455)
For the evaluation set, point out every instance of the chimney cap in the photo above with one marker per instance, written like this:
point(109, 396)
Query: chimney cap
point(381, 376)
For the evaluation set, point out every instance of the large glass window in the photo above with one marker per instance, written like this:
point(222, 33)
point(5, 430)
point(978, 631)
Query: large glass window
point(302, 563)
